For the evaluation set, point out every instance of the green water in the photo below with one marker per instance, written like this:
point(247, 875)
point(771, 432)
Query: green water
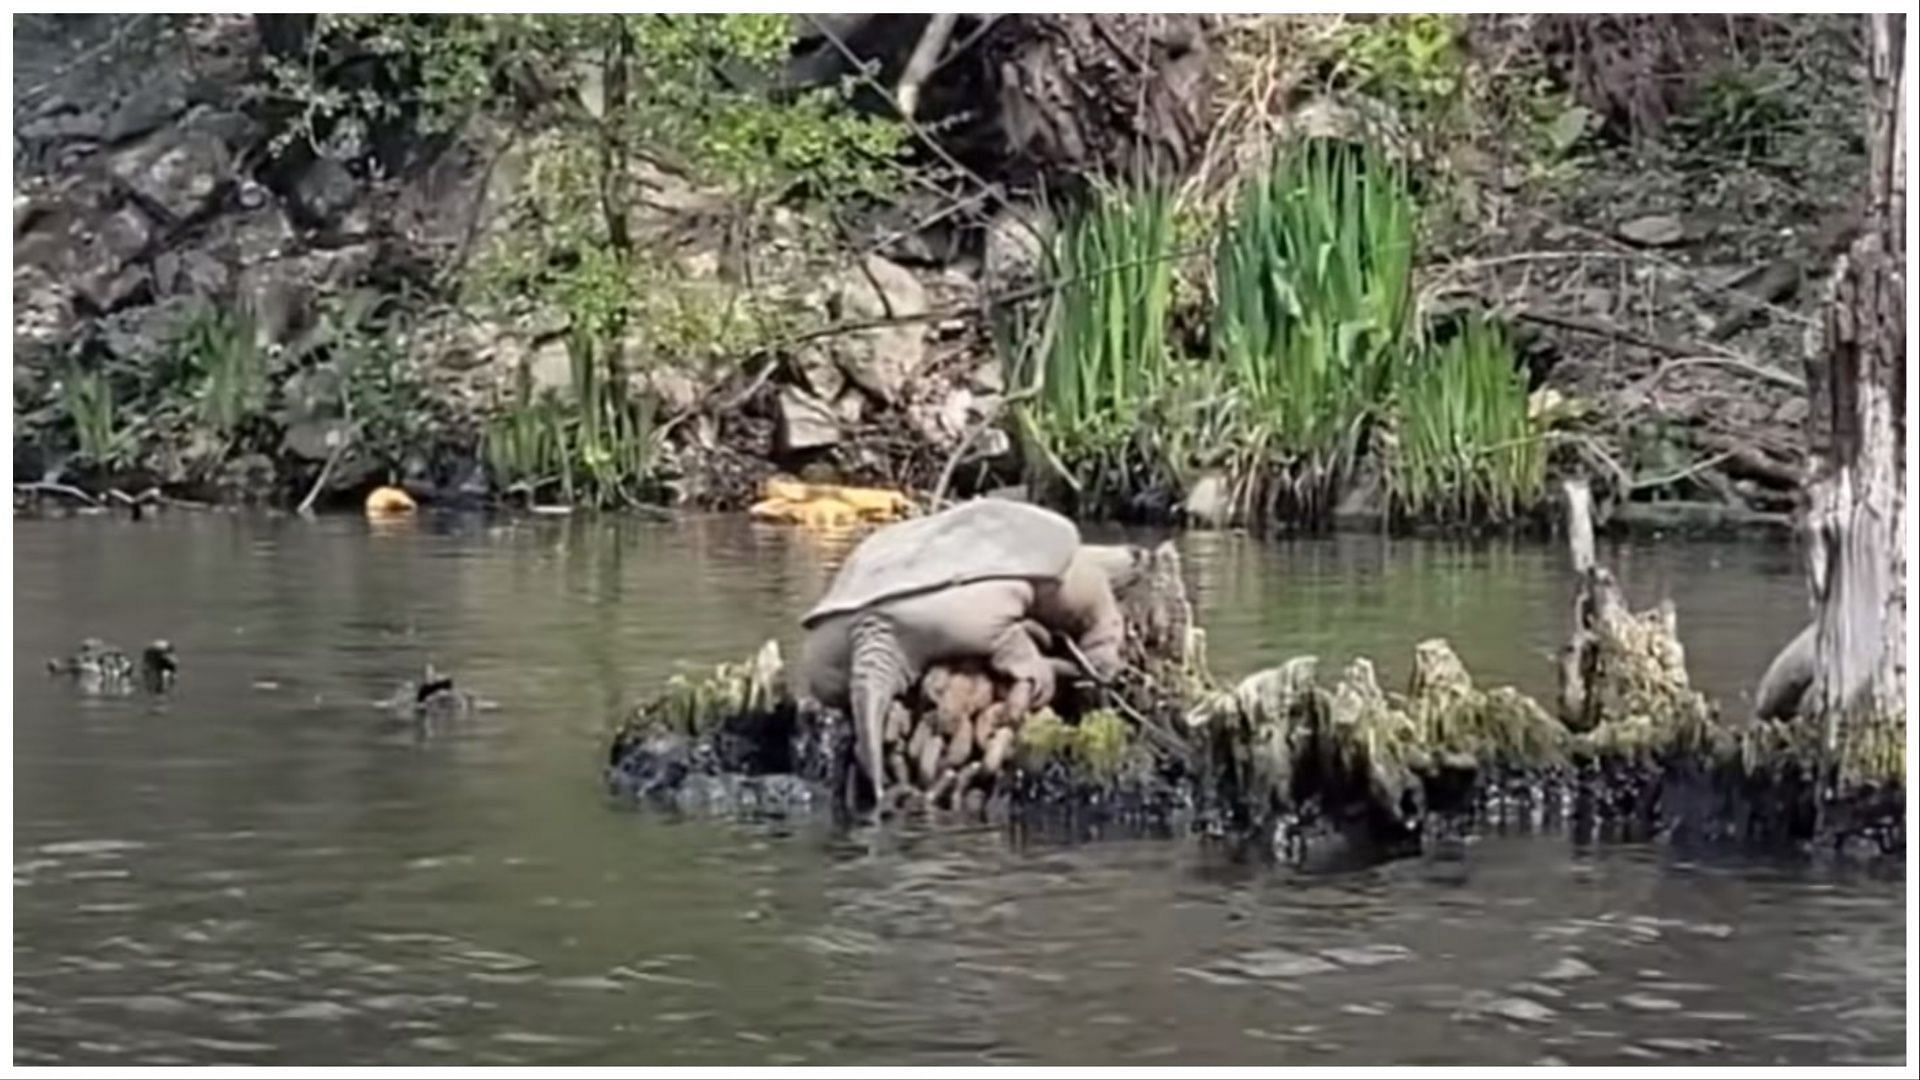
point(262, 869)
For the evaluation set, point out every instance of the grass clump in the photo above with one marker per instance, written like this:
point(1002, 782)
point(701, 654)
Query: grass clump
point(1464, 445)
point(599, 446)
point(1103, 358)
point(1314, 275)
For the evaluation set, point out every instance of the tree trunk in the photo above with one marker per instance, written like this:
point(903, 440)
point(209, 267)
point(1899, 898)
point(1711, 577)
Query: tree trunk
point(1856, 505)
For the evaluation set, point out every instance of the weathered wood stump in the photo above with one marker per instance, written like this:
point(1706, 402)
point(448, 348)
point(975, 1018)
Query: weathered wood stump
point(1635, 750)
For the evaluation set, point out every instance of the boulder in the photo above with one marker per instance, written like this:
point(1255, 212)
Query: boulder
point(189, 273)
point(944, 421)
point(109, 289)
point(806, 422)
point(819, 373)
point(1654, 230)
point(125, 234)
point(147, 108)
point(1209, 502)
point(551, 367)
point(282, 291)
point(884, 359)
point(672, 386)
point(178, 172)
point(323, 194)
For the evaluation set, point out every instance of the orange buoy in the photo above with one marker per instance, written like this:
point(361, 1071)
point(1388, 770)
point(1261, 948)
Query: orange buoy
point(389, 502)
point(827, 505)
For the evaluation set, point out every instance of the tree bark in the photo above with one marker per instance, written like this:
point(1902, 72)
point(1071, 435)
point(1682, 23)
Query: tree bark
point(1856, 503)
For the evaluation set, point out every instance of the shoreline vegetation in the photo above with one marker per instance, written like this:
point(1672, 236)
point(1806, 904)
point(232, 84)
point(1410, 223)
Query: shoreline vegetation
point(1396, 273)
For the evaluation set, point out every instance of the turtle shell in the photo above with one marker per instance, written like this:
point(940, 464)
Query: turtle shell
point(974, 541)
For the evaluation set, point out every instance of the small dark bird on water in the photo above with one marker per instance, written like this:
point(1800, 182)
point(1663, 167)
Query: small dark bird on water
point(434, 698)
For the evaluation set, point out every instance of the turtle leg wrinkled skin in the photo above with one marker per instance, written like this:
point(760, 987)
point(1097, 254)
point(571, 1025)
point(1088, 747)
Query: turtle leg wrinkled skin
point(1782, 690)
point(1017, 657)
point(1082, 606)
point(881, 670)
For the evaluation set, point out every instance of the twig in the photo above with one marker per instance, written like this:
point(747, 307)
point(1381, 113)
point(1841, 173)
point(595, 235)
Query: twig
point(48, 487)
point(1671, 266)
point(973, 436)
point(913, 126)
point(986, 24)
point(86, 56)
point(1580, 525)
point(1672, 478)
point(920, 64)
point(1609, 330)
point(1167, 740)
point(1766, 374)
point(326, 471)
point(1753, 462)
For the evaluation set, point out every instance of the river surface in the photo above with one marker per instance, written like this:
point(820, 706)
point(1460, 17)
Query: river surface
point(262, 869)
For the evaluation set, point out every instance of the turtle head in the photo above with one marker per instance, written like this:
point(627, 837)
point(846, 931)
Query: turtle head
point(1123, 564)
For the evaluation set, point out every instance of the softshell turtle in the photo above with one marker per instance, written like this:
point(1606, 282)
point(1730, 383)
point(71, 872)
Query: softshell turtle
point(987, 579)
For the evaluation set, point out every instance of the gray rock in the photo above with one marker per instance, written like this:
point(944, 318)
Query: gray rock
point(126, 234)
point(1654, 230)
point(673, 388)
point(179, 172)
point(988, 378)
point(851, 408)
point(806, 422)
point(66, 127)
point(109, 290)
point(882, 360)
point(99, 266)
point(1363, 503)
point(282, 291)
point(1207, 503)
point(43, 310)
point(189, 273)
point(253, 237)
point(324, 193)
point(945, 422)
point(820, 373)
point(314, 440)
point(551, 367)
point(1016, 240)
point(146, 109)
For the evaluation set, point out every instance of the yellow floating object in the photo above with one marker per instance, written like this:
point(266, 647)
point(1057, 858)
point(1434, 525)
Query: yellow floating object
point(792, 500)
point(389, 501)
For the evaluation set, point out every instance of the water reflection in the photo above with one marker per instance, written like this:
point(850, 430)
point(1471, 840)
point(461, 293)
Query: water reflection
point(262, 869)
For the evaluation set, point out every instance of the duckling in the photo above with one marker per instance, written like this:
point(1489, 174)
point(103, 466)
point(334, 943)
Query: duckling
point(98, 667)
point(434, 699)
point(158, 667)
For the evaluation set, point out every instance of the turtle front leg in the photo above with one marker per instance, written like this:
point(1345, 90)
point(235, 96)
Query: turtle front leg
point(881, 672)
point(1017, 657)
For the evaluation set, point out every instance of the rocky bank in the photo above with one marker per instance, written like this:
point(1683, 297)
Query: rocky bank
point(1664, 286)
